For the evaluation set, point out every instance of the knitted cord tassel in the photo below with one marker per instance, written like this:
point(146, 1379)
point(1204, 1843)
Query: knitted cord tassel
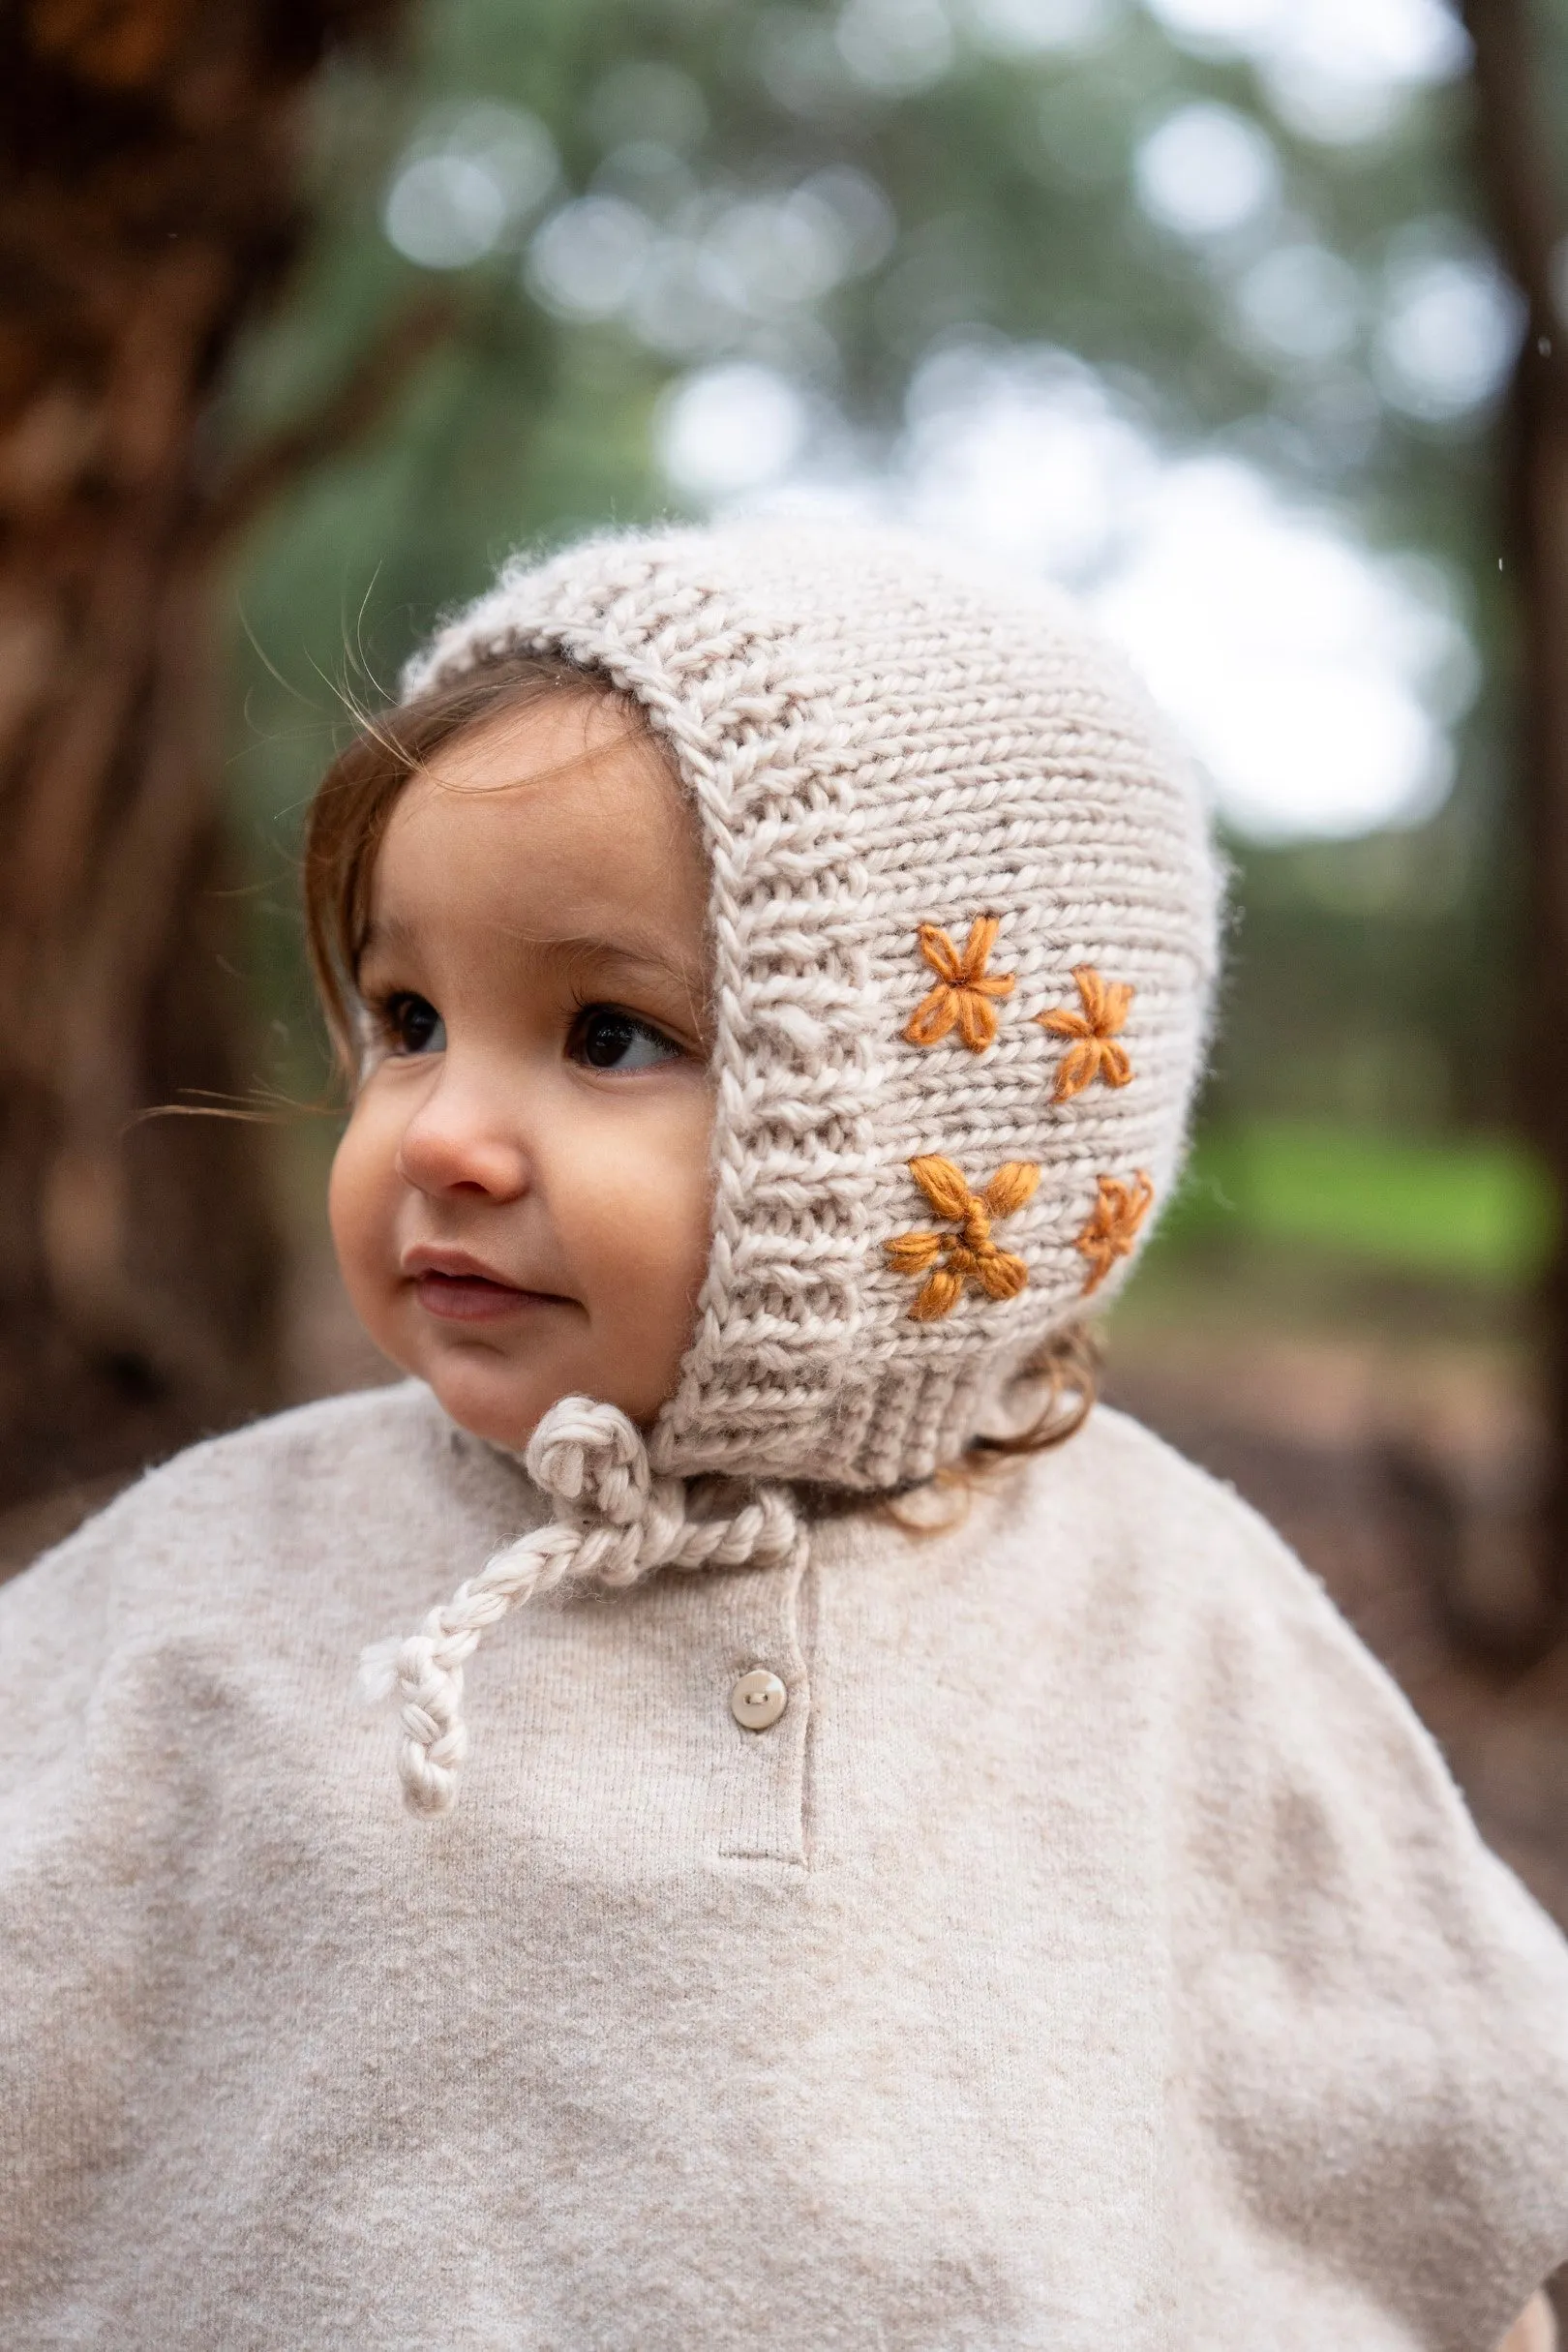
point(615, 1523)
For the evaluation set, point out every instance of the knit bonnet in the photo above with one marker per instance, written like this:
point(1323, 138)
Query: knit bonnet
point(962, 944)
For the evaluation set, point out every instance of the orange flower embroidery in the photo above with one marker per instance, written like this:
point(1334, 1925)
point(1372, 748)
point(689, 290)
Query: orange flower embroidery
point(963, 989)
point(1093, 1052)
point(1113, 1229)
point(970, 1254)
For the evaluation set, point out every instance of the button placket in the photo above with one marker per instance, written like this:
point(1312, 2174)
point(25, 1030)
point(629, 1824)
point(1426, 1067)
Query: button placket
point(761, 1707)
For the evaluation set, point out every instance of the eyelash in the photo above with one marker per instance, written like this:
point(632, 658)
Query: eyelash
point(392, 1012)
point(389, 1013)
point(633, 1023)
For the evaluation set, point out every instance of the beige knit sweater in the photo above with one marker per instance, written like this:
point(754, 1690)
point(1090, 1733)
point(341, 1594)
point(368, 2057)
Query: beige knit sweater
point(1093, 1956)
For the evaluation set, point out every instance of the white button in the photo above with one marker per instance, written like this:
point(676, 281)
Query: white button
point(757, 1700)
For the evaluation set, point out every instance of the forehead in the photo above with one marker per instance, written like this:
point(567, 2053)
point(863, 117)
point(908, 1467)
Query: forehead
point(563, 807)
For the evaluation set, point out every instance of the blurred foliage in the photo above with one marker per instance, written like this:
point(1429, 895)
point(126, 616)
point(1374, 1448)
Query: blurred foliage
point(1475, 1210)
point(1369, 981)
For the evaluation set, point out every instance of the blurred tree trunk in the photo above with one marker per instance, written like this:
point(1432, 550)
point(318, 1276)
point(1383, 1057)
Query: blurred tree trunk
point(147, 212)
point(1519, 183)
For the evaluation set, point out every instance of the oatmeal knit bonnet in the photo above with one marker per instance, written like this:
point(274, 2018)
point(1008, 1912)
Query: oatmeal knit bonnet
point(963, 939)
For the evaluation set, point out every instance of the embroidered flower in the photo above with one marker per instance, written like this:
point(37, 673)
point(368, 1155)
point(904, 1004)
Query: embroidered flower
point(1093, 1052)
point(1113, 1227)
point(948, 1261)
point(963, 990)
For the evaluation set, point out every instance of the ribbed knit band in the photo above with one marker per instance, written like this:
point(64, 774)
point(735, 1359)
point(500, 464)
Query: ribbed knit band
point(876, 739)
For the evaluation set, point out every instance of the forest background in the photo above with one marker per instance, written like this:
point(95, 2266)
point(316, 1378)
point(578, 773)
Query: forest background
point(1222, 311)
point(1191, 305)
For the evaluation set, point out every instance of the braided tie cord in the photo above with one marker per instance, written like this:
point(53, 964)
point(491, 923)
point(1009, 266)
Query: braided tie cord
point(615, 1523)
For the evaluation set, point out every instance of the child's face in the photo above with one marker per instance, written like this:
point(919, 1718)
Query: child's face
point(519, 1204)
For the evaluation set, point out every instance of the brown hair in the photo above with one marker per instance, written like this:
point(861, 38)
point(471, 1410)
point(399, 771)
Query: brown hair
point(356, 796)
point(346, 824)
point(1067, 1365)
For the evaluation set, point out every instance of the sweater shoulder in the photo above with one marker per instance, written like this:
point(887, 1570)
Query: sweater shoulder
point(308, 1534)
point(360, 1445)
point(1246, 1640)
point(1135, 1502)
point(1135, 1472)
point(1213, 1559)
point(332, 1489)
point(368, 1432)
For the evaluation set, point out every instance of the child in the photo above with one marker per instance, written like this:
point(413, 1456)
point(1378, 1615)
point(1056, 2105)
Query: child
point(775, 966)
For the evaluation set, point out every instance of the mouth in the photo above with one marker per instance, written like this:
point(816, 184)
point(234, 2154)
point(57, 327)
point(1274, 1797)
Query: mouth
point(457, 1289)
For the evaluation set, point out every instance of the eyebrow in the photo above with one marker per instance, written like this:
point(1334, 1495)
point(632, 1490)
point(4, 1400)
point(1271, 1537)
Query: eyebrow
point(391, 935)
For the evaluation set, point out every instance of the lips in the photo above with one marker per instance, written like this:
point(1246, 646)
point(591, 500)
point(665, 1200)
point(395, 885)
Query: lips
point(458, 1289)
point(470, 1298)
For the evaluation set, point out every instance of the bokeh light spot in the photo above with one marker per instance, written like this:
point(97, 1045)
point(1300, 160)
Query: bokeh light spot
point(1205, 172)
point(728, 428)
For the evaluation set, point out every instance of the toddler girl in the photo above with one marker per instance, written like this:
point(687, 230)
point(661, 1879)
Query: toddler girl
point(936, 1874)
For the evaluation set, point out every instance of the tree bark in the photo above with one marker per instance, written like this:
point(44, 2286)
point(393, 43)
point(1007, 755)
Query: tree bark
point(146, 216)
point(1518, 184)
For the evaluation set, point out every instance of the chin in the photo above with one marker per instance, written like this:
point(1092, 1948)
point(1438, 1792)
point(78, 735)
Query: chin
point(487, 1403)
point(504, 1403)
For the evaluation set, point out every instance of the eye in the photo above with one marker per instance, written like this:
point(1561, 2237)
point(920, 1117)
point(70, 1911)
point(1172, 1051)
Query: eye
point(412, 1025)
point(603, 1038)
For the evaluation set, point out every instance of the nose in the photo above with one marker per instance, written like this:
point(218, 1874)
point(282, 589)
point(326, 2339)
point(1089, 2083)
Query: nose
point(463, 1138)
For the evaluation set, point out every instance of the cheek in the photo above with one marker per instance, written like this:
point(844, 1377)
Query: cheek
point(360, 1199)
point(645, 1218)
